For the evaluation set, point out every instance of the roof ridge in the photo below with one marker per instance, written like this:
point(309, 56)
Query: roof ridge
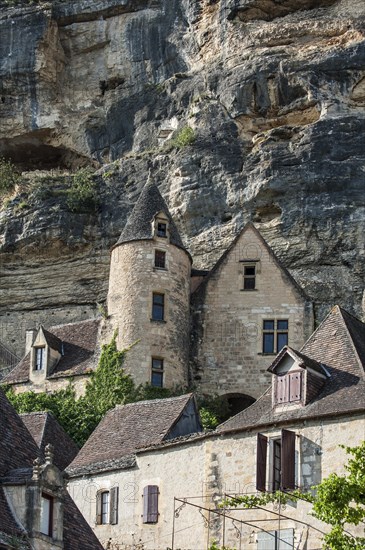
point(148, 401)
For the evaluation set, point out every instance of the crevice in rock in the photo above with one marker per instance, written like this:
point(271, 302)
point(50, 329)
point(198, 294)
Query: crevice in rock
point(358, 91)
point(267, 213)
point(268, 10)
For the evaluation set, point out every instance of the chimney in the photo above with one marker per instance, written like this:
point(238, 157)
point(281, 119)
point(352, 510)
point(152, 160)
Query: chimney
point(29, 339)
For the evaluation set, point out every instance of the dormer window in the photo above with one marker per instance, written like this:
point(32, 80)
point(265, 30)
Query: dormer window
point(288, 388)
point(40, 358)
point(161, 229)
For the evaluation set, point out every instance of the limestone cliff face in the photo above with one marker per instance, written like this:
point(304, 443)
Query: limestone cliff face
point(275, 94)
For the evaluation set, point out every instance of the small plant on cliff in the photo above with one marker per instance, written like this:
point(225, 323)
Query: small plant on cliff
point(82, 192)
point(9, 176)
point(186, 136)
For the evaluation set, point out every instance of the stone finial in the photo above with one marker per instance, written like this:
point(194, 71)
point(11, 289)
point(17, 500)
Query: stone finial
point(48, 451)
point(37, 468)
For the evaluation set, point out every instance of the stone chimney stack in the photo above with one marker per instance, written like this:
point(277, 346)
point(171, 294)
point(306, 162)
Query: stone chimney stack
point(29, 339)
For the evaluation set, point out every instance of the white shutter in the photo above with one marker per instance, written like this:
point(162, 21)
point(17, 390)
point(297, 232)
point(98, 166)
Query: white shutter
point(266, 540)
point(285, 539)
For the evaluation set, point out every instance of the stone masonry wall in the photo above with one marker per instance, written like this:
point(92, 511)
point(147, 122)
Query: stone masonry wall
point(133, 279)
point(228, 352)
point(203, 471)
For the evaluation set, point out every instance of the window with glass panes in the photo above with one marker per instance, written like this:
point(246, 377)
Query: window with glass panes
point(105, 507)
point(160, 259)
point(274, 335)
point(249, 277)
point(158, 306)
point(40, 355)
point(161, 229)
point(157, 372)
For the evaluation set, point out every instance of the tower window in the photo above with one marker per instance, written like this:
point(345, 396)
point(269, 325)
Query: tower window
point(40, 358)
point(249, 277)
point(158, 306)
point(161, 229)
point(157, 372)
point(160, 259)
point(275, 335)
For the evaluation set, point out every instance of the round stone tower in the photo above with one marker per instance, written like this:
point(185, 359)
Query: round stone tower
point(149, 294)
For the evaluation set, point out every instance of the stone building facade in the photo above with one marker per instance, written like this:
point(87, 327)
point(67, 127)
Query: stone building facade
point(214, 330)
point(300, 424)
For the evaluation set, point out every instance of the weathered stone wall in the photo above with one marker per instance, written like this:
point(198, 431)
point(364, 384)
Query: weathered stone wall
point(228, 356)
point(203, 472)
point(133, 279)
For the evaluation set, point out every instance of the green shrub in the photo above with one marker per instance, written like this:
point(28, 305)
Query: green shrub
point(9, 176)
point(186, 136)
point(82, 192)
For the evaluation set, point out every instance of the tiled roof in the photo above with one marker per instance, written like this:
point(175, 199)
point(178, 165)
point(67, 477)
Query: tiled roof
point(303, 360)
point(17, 452)
point(52, 340)
point(139, 224)
point(338, 345)
point(79, 342)
point(126, 428)
point(45, 429)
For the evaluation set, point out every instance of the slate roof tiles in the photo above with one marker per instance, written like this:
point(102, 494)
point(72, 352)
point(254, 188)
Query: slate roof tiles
point(126, 428)
point(139, 225)
point(79, 343)
point(45, 429)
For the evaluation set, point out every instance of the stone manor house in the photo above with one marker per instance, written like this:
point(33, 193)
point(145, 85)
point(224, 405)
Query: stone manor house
point(149, 478)
point(215, 330)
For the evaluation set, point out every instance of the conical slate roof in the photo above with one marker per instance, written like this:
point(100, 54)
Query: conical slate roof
point(139, 225)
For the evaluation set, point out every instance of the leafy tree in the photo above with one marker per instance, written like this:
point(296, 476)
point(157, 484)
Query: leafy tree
point(339, 501)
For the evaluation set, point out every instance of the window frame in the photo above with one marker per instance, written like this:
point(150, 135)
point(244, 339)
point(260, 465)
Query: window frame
point(161, 234)
point(156, 261)
point(157, 371)
point(247, 278)
point(105, 508)
point(160, 307)
point(110, 515)
point(275, 333)
point(287, 478)
point(50, 499)
point(42, 362)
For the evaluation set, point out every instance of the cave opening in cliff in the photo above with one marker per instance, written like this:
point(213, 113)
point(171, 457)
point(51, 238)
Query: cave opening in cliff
point(31, 152)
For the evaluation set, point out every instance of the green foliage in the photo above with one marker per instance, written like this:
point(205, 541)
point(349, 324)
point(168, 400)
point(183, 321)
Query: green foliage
point(213, 410)
point(186, 136)
point(214, 546)
point(82, 192)
point(108, 386)
point(9, 176)
point(339, 501)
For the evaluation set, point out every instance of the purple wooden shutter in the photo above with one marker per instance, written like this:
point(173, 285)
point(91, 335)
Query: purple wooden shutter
point(295, 386)
point(287, 459)
point(261, 462)
point(150, 504)
point(282, 390)
point(98, 508)
point(114, 494)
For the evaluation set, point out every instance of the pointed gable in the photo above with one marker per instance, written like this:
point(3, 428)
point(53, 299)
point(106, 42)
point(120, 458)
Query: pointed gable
point(45, 429)
point(139, 226)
